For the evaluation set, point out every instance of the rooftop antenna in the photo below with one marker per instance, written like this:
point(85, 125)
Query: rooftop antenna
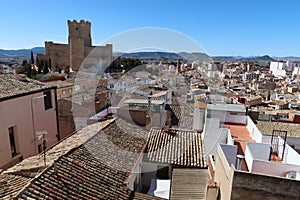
point(41, 135)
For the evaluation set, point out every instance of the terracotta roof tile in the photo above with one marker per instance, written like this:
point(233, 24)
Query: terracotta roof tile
point(96, 169)
point(13, 85)
point(11, 184)
point(178, 147)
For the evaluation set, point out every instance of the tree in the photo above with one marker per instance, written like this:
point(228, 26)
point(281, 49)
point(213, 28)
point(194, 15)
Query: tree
point(24, 63)
point(40, 66)
point(28, 70)
point(50, 65)
point(46, 68)
point(67, 69)
point(31, 58)
point(37, 61)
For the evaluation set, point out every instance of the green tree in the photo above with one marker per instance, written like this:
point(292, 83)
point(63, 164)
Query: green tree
point(31, 58)
point(67, 69)
point(28, 70)
point(40, 66)
point(50, 64)
point(33, 73)
point(24, 63)
point(46, 68)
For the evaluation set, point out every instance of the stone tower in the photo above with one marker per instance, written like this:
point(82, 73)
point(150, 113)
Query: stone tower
point(80, 30)
point(79, 40)
point(79, 46)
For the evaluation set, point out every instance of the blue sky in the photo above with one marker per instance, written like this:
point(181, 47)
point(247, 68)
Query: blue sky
point(224, 27)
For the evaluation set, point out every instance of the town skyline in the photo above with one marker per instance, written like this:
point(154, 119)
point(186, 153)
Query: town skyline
point(221, 28)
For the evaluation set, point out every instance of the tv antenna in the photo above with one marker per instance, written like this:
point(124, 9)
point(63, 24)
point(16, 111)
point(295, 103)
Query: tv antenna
point(41, 135)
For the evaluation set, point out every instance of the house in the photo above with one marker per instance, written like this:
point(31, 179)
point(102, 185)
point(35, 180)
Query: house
point(28, 113)
point(80, 168)
point(171, 156)
point(250, 101)
point(255, 166)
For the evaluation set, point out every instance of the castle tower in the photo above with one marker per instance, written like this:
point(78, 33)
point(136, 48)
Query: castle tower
point(80, 30)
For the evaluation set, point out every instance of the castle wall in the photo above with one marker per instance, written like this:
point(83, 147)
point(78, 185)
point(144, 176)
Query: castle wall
point(76, 53)
point(78, 48)
point(59, 54)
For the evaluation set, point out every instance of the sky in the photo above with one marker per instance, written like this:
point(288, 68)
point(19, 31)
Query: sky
point(221, 27)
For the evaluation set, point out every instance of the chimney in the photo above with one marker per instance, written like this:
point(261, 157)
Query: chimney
point(239, 162)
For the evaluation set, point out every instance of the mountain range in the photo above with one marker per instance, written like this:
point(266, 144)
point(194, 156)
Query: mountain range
point(25, 53)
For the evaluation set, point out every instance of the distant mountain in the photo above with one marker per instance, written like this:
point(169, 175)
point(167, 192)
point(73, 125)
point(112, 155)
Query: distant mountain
point(152, 55)
point(288, 58)
point(164, 55)
point(195, 56)
point(265, 58)
point(21, 52)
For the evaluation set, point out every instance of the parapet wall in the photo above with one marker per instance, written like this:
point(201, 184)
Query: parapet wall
point(255, 186)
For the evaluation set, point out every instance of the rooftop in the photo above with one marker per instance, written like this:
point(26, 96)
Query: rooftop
point(176, 147)
point(144, 101)
point(227, 107)
point(241, 136)
point(267, 127)
point(96, 169)
point(189, 184)
point(15, 85)
point(11, 184)
point(35, 163)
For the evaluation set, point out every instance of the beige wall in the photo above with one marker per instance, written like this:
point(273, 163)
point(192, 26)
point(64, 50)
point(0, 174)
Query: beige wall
point(223, 175)
point(17, 113)
point(65, 92)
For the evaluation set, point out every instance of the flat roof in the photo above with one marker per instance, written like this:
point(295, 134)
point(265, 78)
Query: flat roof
point(144, 101)
point(227, 107)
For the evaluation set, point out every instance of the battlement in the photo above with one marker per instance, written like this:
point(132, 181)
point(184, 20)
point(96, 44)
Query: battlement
point(81, 22)
point(80, 30)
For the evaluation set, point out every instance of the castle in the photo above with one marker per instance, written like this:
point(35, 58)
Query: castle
point(79, 46)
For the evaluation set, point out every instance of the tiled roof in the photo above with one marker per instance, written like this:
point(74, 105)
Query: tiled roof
point(60, 84)
point(189, 184)
point(96, 169)
point(13, 85)
point(268, 127)
point(183, 113)
point(36, 162)
point(177, 147)
point(142, 196)
point(11, 184)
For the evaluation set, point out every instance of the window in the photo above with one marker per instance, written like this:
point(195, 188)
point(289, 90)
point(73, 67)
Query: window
point(12, 141)
point(70, 90)
point(64, 92)
point(47, 100)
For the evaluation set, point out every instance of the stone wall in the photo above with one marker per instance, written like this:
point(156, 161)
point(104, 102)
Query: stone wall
point(254, 186)
point(59, 54)
point(78, 48)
